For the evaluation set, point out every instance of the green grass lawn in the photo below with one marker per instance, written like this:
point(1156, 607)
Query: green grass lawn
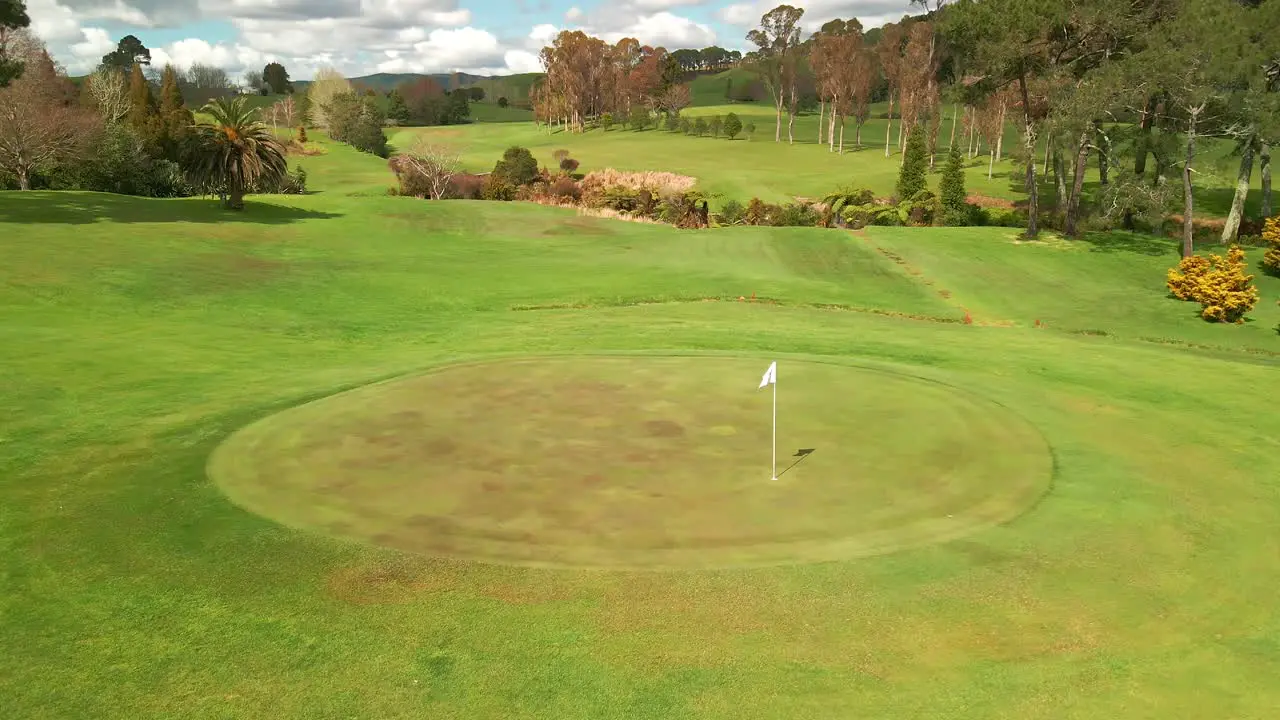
point(139, 335)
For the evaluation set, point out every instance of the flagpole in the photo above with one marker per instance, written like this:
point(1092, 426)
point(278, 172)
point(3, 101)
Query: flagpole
point(775, 425)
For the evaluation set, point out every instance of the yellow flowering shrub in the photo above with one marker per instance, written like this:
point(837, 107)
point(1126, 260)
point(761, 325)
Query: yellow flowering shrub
point(1218, 283)
point(1184, 279)
point(1271, 234)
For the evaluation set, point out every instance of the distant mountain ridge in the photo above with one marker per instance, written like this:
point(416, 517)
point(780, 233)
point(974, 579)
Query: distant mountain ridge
point(384, 82)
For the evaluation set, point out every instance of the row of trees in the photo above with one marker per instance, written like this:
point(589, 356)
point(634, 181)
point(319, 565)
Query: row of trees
point(115, 133)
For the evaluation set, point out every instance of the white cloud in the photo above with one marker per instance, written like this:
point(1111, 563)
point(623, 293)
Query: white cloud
point(52, 22)
point(872, 13)
point(464, 49)
point(96, 43)
point(522, 61)
point(235, 59)
point(664, 29)
point(574, 15)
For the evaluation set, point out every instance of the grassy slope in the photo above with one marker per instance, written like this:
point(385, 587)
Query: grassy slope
point(139, 333)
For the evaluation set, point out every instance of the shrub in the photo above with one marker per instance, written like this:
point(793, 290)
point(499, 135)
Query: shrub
point(1218, 283)
point(921, 209)
point(700, 127)
point(732, 126)
point(564, 188)
point(951, 190)
point(797, 215)
point(732, 213)
point(517, 167)
point(888, 216)
point(302, 134)
point(686, 127)
point(465, 186)
point(1184, 279)
point(495, 187)
point(560, 155)
point(598, 183)
point(758, 212)
point(606, 121)
point(681, 209)
point(714, 125)
point(915, 164)
point(1271, 236)
point(857, 217)
point(568, 166)
point(672, 123)
point(503, 102)
point(639, 117)
point(749, 129)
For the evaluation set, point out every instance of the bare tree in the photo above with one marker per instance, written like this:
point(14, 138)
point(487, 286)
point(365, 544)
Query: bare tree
point(287, 111)
point(435, 163)
point(109, 89)
point(889, 52)
point(208, 77)
point(38, 126)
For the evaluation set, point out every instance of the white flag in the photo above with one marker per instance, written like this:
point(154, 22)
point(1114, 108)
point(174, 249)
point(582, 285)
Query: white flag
point(770, 375)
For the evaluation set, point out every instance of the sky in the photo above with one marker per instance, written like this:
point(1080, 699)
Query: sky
point(360, 37)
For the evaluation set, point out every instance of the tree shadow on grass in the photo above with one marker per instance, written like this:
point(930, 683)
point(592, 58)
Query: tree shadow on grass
point(1119, 241)
point(81, 208)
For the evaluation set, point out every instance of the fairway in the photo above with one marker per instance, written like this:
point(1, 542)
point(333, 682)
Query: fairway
point(639, 463)
point(349, 455)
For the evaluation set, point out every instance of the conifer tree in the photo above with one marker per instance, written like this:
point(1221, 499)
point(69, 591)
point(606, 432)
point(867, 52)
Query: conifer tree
point(915, 164)
point(175, 119)
point(951, 187)
point(142, 107)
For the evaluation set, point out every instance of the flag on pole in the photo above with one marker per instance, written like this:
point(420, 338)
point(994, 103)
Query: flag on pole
point(771, 378)
point(770, 375)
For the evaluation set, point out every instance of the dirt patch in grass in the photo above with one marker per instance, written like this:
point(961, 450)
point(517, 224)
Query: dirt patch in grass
point(392, 581)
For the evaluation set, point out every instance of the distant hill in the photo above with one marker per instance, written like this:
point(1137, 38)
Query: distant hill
point(384, 82)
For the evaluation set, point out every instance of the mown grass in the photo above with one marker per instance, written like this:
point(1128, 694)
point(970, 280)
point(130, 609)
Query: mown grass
point(140, 333)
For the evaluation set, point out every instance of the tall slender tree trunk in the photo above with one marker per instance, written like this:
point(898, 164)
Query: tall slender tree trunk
point(1048, 153)
point(1264, 161)
point(822, 109)
point(1232, 226)
point(955, 110)
point(991, 166)
point(888, 128)
point(1059, 181)
point(1143, 141)
point(1077, 186)
point(1029, 142)
point(791, 115)
point(831, 129)
point(1004, 106)
point(901, 135)
point(777, 126)
point(841, 134)
point(1104, 148)
point(858, 135)
point(1188, 202)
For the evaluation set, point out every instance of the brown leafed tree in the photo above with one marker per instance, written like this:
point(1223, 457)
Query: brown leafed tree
point(889, 54)
point(39, 125)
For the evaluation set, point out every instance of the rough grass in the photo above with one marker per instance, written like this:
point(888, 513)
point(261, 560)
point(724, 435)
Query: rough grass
point(139, 334)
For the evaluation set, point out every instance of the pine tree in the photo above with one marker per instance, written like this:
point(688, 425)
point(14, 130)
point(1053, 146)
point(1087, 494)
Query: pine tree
point(397, 110)
point(175, 119)
point(143, 115)
point(915, 164)
point(951, 187)
point(732, 126)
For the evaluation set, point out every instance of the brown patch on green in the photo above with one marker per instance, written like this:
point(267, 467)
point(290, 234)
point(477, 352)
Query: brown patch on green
point(664, 429)
point(618, 462)
point(392, 581)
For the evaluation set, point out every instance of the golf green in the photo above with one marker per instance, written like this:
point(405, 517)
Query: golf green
point(640, 462)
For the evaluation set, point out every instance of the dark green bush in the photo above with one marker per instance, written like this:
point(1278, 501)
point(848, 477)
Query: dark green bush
point(495, 187)
point(797, 215)
point(517, 167)
point(732, 213)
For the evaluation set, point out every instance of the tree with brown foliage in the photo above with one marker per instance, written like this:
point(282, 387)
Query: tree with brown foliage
point(432, 166)
point(889, 53)
point(39, 126)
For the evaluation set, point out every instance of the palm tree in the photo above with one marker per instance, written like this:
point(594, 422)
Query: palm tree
point(235, 153)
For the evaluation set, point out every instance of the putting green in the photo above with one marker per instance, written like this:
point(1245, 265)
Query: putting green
point(640, 462)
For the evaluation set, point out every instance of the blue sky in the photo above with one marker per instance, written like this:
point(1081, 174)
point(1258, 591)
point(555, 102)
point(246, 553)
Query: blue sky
point(364, 36)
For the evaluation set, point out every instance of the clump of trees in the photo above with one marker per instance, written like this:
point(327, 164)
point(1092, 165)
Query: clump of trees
point(356, 120)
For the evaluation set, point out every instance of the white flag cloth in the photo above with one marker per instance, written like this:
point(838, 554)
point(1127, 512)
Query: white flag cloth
point(770, 375)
